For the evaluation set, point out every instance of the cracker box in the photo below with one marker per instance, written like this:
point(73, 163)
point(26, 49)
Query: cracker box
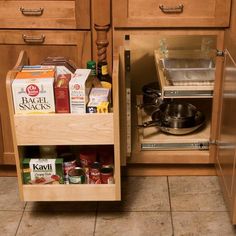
point(61, 90)
point(80, 86)
point(99, 95)
point(33, 92)
point(42, 171)
point(98, 107)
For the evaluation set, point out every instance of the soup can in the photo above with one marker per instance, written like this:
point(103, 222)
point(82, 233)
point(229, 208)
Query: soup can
point(107, 175)
point(94, 175)
point(76, 176)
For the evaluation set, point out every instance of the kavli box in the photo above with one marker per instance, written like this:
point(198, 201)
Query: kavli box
point(33, 92)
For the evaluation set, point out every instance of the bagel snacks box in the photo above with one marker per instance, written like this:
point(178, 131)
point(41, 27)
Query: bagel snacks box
point(32, 90)
point(42, 171)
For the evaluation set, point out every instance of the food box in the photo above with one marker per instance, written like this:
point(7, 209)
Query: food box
point(61, 90)
point(63, 65)
point(42, 171)
point(99, 95)
point(98, 107)
point(33, 91)
point(79, 87)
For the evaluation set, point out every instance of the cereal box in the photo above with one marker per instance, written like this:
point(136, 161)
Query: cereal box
point(33, 91)
point(80, 86)
point(42, 171)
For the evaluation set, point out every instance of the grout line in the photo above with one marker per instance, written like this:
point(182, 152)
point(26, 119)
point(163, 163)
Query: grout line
point(20, 219)
point(171, 216)
point(95, 222)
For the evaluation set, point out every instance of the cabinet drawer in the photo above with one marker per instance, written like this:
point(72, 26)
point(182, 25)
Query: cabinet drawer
point(64, 129)
point(171, 13)
point(45, 14)
point(40, 44)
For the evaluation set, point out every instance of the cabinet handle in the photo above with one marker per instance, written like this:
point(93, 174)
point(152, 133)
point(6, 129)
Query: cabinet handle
point(170, 10)
point(31, 12)
point(33, 39)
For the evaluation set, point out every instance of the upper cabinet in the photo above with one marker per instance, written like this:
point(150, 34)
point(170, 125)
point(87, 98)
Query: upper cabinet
point(45, 14)
point(171, 13)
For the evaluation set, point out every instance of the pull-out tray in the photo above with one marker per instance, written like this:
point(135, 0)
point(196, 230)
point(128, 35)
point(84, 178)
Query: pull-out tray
point(153, 138)
point(185, 77)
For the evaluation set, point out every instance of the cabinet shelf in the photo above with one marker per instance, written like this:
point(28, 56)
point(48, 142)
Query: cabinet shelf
point(64, 129)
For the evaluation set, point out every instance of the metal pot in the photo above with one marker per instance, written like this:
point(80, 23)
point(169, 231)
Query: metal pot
point(183, 122)
point(151, 97)
point(176, 115)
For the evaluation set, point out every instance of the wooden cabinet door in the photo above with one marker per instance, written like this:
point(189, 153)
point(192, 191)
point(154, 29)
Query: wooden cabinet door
point(226, 143)
point(226, 140)
point(171, 13)
point(75, 45)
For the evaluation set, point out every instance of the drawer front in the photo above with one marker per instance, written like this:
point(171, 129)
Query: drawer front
point(171, 13)
point(44, 14)
point(64, 129)
point(39, 44)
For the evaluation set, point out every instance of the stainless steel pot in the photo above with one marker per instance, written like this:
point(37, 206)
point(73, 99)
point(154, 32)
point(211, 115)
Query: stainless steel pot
point(176, 118)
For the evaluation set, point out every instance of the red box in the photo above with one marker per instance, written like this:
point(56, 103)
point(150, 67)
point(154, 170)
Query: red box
point(61, 90)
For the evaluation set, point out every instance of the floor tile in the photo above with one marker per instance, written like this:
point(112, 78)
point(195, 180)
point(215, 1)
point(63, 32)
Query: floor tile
point(133, 223)
point(9, 221)
point(57, 223)
point(141, 194)
point(9, 199)
point(196, 193)
point(61, 206)
point(202, 224)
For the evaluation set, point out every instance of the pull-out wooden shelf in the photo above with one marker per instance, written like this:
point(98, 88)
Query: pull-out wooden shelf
point(170, 91)
point(64, 129)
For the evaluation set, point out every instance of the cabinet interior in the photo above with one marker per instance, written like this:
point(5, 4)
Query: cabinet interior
point(149, 145)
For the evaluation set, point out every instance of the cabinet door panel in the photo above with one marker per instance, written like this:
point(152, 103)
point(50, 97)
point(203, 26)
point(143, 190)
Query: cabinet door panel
point(227, 132)
point(171, 13)
point(75, 45)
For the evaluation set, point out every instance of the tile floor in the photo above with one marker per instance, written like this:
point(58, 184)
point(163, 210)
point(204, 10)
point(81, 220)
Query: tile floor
point(151, 206)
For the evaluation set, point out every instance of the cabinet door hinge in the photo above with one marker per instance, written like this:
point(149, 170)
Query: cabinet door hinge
point(220, 53)
point(127, 60)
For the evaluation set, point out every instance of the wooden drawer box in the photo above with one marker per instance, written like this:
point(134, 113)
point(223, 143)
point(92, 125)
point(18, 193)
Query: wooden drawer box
point(171, 13)
point(45, 14)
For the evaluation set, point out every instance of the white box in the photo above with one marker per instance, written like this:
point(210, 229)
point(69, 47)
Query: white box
point(33, 92)
point(80, 86)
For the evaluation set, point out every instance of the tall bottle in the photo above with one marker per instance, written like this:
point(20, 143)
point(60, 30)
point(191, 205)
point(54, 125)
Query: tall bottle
point(103, 75)
point(92, 66)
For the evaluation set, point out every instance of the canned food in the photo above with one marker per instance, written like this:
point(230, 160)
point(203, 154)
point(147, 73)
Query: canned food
point(94, 175)
point(107, 175)
point(76, 176)
point(67, 166)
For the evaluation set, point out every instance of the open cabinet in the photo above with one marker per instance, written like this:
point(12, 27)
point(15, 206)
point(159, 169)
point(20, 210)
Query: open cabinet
point(65, 129)
point(142, 56)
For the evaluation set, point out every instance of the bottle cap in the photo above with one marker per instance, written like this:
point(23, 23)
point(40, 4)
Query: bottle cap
point(91, 65)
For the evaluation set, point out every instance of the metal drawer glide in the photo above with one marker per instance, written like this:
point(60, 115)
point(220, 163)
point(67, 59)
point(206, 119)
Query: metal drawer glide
point(175, 146)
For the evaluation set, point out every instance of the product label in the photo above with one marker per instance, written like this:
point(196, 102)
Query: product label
point(104, 70)
point(42, 168)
